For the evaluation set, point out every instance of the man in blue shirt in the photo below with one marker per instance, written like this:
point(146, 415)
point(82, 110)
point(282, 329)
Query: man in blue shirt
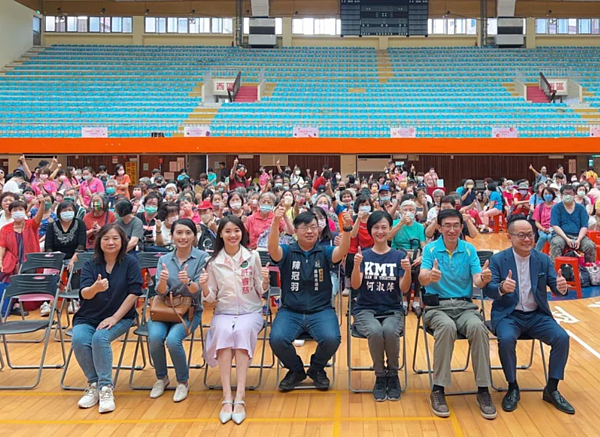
point(449, 268)
point(569, 220)
point(306, 291)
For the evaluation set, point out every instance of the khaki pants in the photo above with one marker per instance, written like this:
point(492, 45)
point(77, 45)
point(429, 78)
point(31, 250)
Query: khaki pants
point(448, 319)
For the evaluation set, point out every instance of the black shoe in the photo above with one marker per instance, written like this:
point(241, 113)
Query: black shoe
point(291, 380)
point(380, 389)
point(17, 311)
point(556, 399)
point(511, 399)
point(319, 377)
point(394, 392)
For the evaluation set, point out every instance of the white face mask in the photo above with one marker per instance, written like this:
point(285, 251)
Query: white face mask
point(18, 216)
point(322, 224)
point(297, 172)
point(235, 205)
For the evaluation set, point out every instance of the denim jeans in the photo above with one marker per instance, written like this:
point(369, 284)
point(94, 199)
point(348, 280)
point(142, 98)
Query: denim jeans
point(173, 334)
point(93, 350)
point(323, 328)
point(542, 239)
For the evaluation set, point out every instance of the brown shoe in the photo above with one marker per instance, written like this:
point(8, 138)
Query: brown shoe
point(486, 406)
point(439, 407)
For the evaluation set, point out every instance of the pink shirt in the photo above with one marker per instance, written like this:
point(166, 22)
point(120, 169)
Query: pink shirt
point(88, 188)
point(262, 180)
point(49, 187)
point(542, 214)
point(256, 225)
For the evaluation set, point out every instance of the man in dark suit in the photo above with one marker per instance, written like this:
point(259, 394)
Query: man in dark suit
point(520, 277)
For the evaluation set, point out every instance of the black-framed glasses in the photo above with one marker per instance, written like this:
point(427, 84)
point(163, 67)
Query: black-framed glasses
point(523, 235)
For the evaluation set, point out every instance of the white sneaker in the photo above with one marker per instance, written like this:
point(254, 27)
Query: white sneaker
point(159, 388)
point(73, 307)
point(346, 292)
point(45, 309)
point(90, 397)
point(107, 400)
point(181, 392)
point(298, 343)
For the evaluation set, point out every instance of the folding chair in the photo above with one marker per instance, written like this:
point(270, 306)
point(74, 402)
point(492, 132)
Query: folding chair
point(71, 294)
point(523, 337)
point(353, 333)
point(22, 285)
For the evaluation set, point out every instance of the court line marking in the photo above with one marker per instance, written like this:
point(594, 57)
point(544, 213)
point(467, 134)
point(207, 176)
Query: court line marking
point(569, 319)
point(455, 423)
point(337, 415)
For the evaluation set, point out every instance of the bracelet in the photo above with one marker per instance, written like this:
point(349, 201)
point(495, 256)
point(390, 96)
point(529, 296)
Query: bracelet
point(347, 229)
point(159, 232)
point(501, 288)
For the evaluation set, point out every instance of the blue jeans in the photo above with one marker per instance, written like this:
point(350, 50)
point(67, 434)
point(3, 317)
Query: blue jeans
point(93, 350)
point(323, 328)
point(542, 239)
point(173, 334)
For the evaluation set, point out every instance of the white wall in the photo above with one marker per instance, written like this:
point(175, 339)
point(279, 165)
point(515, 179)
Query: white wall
point(16, 30)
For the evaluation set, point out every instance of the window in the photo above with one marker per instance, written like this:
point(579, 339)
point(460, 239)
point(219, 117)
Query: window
point(278, 26)
point(50, 24)
point(472, 26)
point(105, 24)
point(541, 26)
point(297, 27)
point(585, 26)
point(316, 26)
point(162, 25)
point(246, 26)
point(71, 24)
point(150, 25)
point(552, 26)
point(204, 25)
point(217, 25)
point(492, 26)
point(572, 26)
point(228, 25)
point(94, 24)
point(183, 25)
point(439, 26)
point(563, 26)
point(172, 24)
point(325, 26)
point(84, 24)
point(596, 26)
point(451, 26)
point(117, 25)
point(127, 24)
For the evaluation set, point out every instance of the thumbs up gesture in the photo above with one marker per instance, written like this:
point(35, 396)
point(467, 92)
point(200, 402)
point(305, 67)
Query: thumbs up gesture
point(266, 274)
point(561, 283)
point(204, 279)
point(509, 285)
point(405, 263)
point(486, 273)
point(183, 275)
point(434, 274)
point(101, 285)
point(164, 273)
point(358, 258)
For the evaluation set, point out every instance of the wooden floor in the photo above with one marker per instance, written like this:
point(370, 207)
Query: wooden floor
point(50, 411)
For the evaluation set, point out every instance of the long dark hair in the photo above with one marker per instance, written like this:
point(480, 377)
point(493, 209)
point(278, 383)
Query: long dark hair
point(219, 243)
point(99, 254)
point(326, 234)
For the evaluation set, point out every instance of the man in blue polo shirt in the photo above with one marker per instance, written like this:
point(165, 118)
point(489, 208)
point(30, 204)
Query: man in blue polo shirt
point(569, 221)
point(306, 291)
point(449, 268)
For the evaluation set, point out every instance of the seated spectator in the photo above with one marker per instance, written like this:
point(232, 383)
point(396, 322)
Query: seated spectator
point(521, 200)
point(381, 275)
point(569, 220)
point(45, 185)
point(468, 230)
point(542, 215)
point(67, 234)
point(260, 221)
point(306, 297)
point(207, 226)
point(98, 216)
point(235, 280)
point(493, 208)
point(90, 186)
point(177, 272)
point(152, 202)
point(583, 200)
point(111, 284)
point(449, 269)
point(133, 227)
point(519, 309)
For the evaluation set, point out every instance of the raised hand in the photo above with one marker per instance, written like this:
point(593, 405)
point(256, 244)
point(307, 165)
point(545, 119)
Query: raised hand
point(164, 273)
point(183, 275)
point(561, 283)
point(101, 285)
point(347, 219)
point(158, 225)
point(279, 212)
point(434, 274)
point(358, 258)
point(265, 273)
point(486, 273)
point(405, 263)
point(204, 279)
point(510, 285)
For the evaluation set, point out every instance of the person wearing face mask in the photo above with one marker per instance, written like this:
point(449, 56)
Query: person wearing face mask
point(263, 177)
point(90, 186)
point(152, 203)
point(583, 199)
point(296, 178)
point(44, 185)
point(123, 180)
point(421, 180)
point(292, 206)
point(48, 218)
point(137, 199)
point(98, 216)
point(260, 221)
point(541, 176)
point(29, 197)
point(218, 205)
point(237, 179)
point(235, 206)
point(521, 200)
point(437, 196)
point(207, 226)
point(509, 196)
point(167, 215)
point(569, 220)
point(360, 237)
point(323, 201)
point(62, 181)
point(133, 227)
point(542, 215)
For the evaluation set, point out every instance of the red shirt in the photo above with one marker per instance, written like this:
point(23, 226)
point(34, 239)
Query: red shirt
point(256, 225)
point(235, 183)
point(363, 239)
point(90, 219)
point(318, 182)
point(523, 209)
point(8, 240)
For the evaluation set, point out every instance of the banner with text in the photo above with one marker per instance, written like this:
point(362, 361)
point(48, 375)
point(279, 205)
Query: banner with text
point(403, 132)
point(306, 132)
point(196, 131)
point(595, 131)
point(94, 132)
point(505, 132)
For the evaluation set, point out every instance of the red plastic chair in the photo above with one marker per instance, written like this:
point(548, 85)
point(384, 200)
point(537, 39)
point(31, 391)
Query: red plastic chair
point(573, 262)
point(499, 223)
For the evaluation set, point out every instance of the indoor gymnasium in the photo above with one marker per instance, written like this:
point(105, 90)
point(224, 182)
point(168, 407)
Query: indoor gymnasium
point(299, 218)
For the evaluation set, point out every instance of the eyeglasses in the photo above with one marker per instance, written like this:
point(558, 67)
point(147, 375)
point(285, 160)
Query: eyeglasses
point(455, 226)
point(523, 235)
point(313, 228)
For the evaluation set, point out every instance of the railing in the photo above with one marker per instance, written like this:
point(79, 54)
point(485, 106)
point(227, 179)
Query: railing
point(547, 88)
point(234, 88)
point(262, 80)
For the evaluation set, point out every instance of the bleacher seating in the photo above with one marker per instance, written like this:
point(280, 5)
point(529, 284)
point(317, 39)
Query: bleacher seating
point(444, 92)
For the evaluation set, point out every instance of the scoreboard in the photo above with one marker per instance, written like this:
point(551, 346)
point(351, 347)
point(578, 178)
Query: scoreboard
point(384, 17)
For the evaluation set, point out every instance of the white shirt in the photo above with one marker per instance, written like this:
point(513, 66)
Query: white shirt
point(11, 186)
point(526, 297)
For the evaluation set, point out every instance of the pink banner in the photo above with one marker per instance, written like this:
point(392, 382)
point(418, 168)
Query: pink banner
point(403, 132)
point(505, 132)
point(306, 132)
point(94, 132)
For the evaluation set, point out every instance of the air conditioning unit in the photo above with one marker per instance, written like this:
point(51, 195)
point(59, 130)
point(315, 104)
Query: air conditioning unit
point(510, 32)
point(262, 32)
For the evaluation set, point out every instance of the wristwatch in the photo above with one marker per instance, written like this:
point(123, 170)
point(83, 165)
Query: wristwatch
point(190, 282)
point(347, 229)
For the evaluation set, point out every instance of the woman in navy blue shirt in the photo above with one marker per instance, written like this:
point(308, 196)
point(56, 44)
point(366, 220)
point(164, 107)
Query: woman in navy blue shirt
point(110, 285)
point(381, 275)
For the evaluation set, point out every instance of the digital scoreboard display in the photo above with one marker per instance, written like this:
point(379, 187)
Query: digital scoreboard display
point(384, 17)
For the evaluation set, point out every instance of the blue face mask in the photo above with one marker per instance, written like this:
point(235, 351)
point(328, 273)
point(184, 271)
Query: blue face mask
point(547, 197)
point(266, 208)
point(386, 198)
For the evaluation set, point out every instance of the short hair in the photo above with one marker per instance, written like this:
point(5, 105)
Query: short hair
point(376, 217)
point(346, 193)
point(153, 195)
point(516, 218)
point(101, 168)
point(448, 199)
point(362, 198)
point(8, 194)
point(567, 187)
point(203, 176)
point(17, 204)
point(103, 200)
point(99, 254)
point(449, 213)
point(64, 205)
point(270, 195)
point(305, 218)
point(123, 207)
